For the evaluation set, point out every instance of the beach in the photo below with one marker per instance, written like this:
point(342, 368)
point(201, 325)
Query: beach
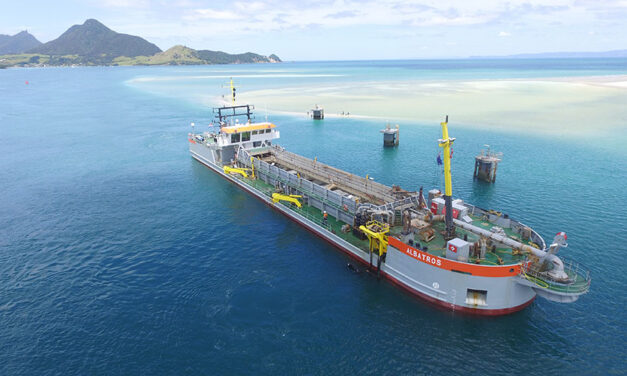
point(564, 106)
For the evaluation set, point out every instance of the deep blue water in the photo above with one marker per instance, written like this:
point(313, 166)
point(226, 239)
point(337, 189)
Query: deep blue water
point(119, 254)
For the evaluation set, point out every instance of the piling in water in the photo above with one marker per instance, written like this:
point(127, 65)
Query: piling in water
point(486, 164)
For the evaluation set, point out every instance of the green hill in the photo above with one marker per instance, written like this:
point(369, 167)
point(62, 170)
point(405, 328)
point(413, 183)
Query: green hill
point(219, 57)
point(182, 55)
point(177, 55)
point(96, 42)
point(18, 43)
point(92, 43)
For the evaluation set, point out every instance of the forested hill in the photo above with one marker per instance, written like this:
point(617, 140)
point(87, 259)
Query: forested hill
point(92, 43)
point(93, 39)
point(18, 43)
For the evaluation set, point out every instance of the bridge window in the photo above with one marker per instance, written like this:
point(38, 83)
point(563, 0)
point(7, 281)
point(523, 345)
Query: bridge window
point(476, 297)
point(235, 137)
point(255, 132)
point(245, 136)
point(268, 130)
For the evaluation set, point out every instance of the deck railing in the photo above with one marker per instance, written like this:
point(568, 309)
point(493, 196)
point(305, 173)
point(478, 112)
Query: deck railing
point(579, 277)
point(268, 192)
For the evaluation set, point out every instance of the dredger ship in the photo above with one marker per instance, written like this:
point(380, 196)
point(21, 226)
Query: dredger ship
point(441, 249)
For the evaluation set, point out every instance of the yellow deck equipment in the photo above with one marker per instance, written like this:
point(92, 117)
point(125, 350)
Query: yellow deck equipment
point(276, 197)
point(234, 170)
point(376, 232)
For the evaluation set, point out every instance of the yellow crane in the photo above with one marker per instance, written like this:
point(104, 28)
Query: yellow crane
point(235, 170)
point(276, 197)
point(241, 170)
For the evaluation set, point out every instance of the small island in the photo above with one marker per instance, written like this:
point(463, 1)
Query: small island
point(93, 43)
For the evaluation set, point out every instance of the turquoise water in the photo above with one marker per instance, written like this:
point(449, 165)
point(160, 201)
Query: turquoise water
point(119, 254)
point(187, 82)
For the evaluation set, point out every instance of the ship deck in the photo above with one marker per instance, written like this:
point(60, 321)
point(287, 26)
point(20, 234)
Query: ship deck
point(436, 247)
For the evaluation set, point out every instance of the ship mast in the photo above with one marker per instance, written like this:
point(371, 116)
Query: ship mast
point(225, 112)
point(445, 142)
point(232, 92)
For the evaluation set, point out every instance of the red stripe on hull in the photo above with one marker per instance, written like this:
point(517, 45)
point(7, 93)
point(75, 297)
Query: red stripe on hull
point(448, 264)
point(437, 302)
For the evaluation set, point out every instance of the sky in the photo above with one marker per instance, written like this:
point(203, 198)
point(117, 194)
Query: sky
point(341, 29)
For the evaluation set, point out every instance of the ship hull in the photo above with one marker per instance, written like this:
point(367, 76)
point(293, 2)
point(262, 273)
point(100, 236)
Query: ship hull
point(436, 285)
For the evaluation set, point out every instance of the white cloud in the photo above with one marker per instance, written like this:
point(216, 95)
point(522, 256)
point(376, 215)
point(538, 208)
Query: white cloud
point(212, 14)
point(193, 20)
point(271, 15)
point(124, 3)
point(454, 21)
point(253, 6)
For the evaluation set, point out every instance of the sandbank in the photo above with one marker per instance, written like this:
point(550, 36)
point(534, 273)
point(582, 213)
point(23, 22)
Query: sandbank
point(565, 106)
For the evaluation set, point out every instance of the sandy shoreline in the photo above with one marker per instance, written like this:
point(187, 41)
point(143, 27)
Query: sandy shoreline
point(568, 106)
point(609, 80)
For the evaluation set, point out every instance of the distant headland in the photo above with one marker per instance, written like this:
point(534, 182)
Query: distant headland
point(92, 43)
